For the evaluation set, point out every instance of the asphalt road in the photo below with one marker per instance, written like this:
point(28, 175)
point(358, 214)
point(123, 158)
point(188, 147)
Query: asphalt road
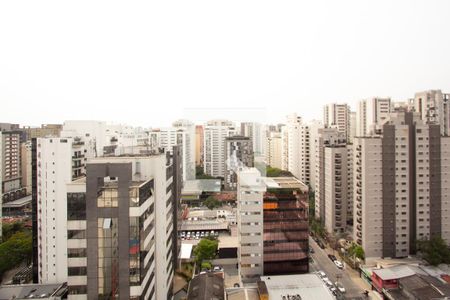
point(323, 263)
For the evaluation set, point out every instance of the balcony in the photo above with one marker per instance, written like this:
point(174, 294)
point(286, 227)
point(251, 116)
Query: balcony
point(359, 213)
point(359, 234)
point(358, 176)
point(359, 227)
point(359, 205)
point(338, 206)
point(358, 191)
point(358, 198)
point(359, 184)
point(359, 220)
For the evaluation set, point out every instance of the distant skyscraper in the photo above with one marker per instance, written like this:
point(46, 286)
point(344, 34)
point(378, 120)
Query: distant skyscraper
point(257, 133)
point(371, 115)
point(131, 202)
point(215, 133)
point(199, 140)
point(297, 135)
point(434, 108)
point(401, 186)
point(314, 127)
point(11, 169)
point(337, 115)
point(274, 151)
point(25, 165)
point(327, 138)
point(238, 154)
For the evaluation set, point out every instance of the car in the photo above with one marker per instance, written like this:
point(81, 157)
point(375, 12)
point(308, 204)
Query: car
point(216, 233)
point(332, 257)
point(328, 283)
point(338, 264)
point(321, 274)
point(311, 250)
point(340, 287)
point(316, 239)
point(333, 290)
point(206, 234)
point(202, 234)
point(197, 233)
point(321, 245)
point(217, 268)
point(183, 234)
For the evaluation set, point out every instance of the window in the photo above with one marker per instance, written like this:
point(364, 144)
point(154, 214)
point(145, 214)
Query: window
point(77, 271)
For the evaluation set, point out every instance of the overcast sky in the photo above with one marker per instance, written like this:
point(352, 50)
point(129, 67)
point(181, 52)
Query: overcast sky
point(148, 63)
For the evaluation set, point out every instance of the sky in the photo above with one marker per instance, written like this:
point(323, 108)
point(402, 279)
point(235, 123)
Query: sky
point(147, 63)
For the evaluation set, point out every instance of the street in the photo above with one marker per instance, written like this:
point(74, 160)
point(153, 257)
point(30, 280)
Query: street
point(323, 263)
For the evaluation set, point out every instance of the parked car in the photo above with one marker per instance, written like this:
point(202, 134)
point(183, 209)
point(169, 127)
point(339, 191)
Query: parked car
point(321, 274)
point(321, 245)
point(338, 264)
point(311, 250)
point(340, 287)
point(332, 257)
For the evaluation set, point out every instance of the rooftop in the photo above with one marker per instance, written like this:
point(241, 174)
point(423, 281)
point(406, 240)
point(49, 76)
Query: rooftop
point(18, 203)
point(201, 185)
point(32, 291)
point(208, 286)
point(307, 286)
point(285, 183)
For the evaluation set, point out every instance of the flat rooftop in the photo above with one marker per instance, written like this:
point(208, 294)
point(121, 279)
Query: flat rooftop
point(32, 291)
point(285, 183)
point(18, 203)
point(201, 185)
point(308, 286)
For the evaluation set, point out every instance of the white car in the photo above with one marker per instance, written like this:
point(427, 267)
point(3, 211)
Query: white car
point(328, 283)
point(321, 274)
point(338, 264)
point(339, 287)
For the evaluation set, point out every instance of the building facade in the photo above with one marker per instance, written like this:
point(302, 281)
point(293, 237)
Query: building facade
point(58, 162)
point(239, 154)
point(274, 151)
point(371, 114)
point(297, 135)
point(250, 193)
point(401, 186)
point(337, 115)
point(121, 219)
point(434, 108)
point(11, 168)
point(215, 132)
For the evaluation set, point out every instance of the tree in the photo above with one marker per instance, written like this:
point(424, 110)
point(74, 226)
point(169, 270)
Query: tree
point(357, 251)
point(275, 172)
point(199, 174)
point(211, 202)
point(9, 229)
point(15, 250)
point(206, 249)
point(435, 251)
point(317, 228)
point(206, 265)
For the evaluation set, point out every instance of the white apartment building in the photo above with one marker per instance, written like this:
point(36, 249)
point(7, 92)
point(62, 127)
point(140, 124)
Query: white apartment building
point(325, 137)
point(182, 133)
point(274, 150)
point(284, 148)
point(132, 253)
point(239, 154)
point(58, 162)
point(371, 114)
point(337, 115)
point(401, 186)
point(250, 193)
point(434, 108)
point(257, 133)
point(314, 127)
point(298, 148)
point(215, 132)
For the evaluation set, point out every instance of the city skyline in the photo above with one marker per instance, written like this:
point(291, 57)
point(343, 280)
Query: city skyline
point(163, 57)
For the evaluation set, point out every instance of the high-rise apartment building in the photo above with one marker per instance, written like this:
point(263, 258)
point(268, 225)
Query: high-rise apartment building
point(297, 136)
point(337, 115)
point(434, 108)
point(11, 169)
point(25, 165)
point(371, 114)
point(314, 127)
point(325, 137)
point(273, 150)
point(239, 154)
point(401, 186)
point(215, 132)
point(122, 227)
point(257, 133)
point(199, 137)
point(46, 130)
point(57, 162)
point(337, 195)
point(250, 193)
point(182, 133)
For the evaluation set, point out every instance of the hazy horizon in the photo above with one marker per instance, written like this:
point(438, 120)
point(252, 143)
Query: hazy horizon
point(148, 64)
